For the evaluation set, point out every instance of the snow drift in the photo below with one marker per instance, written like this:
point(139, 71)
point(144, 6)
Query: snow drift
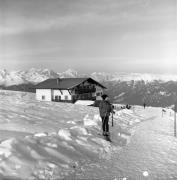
point(50, 140)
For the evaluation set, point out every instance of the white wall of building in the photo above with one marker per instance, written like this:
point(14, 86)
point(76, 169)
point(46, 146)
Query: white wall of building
point(62, 93)
point(98, 93)
point(43, 94)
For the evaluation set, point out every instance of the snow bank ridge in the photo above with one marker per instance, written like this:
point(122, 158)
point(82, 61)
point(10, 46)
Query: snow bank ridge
point(65, 134)
point(91, 122)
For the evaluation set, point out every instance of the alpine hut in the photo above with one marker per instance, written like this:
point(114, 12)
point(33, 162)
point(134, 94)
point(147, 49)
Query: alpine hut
point(69, 90)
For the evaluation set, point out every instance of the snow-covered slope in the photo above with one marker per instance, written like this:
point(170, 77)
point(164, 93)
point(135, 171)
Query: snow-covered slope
point(53, 140)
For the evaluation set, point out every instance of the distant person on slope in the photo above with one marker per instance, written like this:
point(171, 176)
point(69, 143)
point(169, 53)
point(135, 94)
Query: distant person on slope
point(105, 109)
point(144, 105)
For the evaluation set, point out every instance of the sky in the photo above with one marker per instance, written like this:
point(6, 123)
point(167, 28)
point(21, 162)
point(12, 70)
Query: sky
point(89, 35)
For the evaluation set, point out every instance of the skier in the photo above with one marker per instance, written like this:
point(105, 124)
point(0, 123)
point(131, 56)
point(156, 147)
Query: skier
point(105, 109)
point(144, 105)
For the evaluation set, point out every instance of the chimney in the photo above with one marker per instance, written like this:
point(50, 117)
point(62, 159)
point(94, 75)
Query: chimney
point(58, 81)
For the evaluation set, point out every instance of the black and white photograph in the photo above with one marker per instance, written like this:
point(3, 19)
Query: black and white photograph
point(88, 89)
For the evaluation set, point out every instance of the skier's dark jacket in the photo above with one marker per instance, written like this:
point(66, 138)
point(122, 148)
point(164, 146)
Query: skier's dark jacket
point(105, 108)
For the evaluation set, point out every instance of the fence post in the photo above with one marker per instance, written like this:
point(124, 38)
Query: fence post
point(112, 120)
point(175, 108)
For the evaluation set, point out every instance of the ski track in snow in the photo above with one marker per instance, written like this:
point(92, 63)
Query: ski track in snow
point(41, 140)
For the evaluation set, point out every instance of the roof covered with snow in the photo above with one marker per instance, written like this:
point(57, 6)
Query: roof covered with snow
point(65, 83)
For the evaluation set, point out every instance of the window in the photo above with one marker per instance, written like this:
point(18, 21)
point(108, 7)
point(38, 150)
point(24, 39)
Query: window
point(57, 98)
point(98, 94)
point(66, 97)
point(43, 97)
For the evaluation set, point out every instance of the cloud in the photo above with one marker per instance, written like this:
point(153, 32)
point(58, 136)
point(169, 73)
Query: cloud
point(17, 26)
point(36, 16)
point(28, 52)
point(100, 30)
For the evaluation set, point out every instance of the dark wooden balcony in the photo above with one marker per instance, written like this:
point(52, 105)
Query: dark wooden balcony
point(85, 90)
point(85, 96)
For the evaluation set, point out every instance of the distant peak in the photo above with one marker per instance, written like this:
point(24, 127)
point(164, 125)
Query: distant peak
point(33, 69)
point(70, 70)
point(4, 70)
point(46, 69)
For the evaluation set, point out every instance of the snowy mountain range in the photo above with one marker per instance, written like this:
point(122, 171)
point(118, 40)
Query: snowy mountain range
point(125, 88)
point(133, 76)
point(8, 78)
point(24, 77)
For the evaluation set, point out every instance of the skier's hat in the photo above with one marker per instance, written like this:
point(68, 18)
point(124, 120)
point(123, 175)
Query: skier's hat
point(104, 96)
